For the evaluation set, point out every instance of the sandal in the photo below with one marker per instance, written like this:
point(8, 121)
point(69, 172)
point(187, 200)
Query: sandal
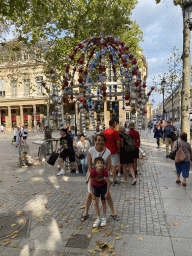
point(83, 218)
point(178, 181)
point(115, 217)
point(184, 184)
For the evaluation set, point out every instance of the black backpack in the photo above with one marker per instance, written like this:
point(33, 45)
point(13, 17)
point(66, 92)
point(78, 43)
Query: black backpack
point(128, 143)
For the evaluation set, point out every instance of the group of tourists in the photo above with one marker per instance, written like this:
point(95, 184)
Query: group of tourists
point(20, 135)
point(115, 150)
point(180, 148)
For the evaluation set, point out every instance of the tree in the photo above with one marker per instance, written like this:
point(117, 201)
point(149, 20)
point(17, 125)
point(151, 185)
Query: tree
point(66, 23)
point(185, 93)
point(172, 73)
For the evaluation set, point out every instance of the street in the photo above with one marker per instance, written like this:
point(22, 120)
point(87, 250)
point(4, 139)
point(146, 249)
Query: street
point(155, 214)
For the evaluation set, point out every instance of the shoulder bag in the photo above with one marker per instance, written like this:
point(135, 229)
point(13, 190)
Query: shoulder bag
point(173, 154)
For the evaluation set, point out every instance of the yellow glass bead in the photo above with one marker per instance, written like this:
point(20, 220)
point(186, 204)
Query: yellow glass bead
point(80, 75)
point(104, 99)
point(48, 90)
point(126, 93)
point(53, 81)
point(81, 89)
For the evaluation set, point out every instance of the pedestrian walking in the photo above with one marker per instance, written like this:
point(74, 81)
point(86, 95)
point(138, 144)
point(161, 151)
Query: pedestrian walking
point(113, 144)
point(24, 134)
point(67, 150)
point(14, 134)
point(158, 134)
point(127, 154)
point(38, 132)
point(83, 147)
point(183, 166)
point(136, 137)
point(150, 126)
point(2, 129)
point(18, 137)
point(98, 150)
point(99, 186)
point(168, 132)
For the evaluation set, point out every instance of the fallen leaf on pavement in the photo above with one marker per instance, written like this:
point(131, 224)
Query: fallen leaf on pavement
point(118, 238)
point(175, 223)
point(127, 226)
point(114, 253)
point(78, 227)
point(124, 186)
point(68, 193)
point(111, 246)
point(19, 213)
point(23, 193)
point(60, 225)
point(7, 241)
point(33, 193)
point(95, 230)
point(89, 236)
point(175, 239)
point(103, 254)
point(127, 199)
point(121, 226)
point(41, 219)
point(168, 226)
point(107, 233)
point(48, 193)
point(21, 221)
point(14, 234)
point(62, 213)
point(74, 234)
point(92, 251)
point(140, 198)
point(3, 205)
point(166, 187)
point(47, 211)
point(98, 249)
point(15, 245)
point(12, 225)
point(82, 207)
point(140, 238)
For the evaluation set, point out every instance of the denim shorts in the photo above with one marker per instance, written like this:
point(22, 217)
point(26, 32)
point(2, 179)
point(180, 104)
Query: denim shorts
point(100, 191)
point(114, 159)
point(183, 167)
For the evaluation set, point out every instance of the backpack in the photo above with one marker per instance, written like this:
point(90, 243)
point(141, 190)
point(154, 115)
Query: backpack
point(128, 143)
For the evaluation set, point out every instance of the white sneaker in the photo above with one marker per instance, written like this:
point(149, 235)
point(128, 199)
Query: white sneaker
point(96, 223)
point(24, 166)
point(61, 172)
point(119, 174)
point(134, 182)
point(103, 222)
point(77, 171)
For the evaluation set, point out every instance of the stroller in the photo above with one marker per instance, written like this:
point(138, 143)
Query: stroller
point(23, 155)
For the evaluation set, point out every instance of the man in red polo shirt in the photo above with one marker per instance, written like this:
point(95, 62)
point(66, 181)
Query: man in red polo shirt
point(113, 144)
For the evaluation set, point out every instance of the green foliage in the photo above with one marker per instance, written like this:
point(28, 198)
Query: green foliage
point(172, 72)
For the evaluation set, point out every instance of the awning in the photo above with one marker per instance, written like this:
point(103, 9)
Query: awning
point(13, 118)
point(2, 118)
point(38, 117)
point(25, 117)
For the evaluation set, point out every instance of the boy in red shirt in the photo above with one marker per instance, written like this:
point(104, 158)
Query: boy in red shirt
point(99, 186)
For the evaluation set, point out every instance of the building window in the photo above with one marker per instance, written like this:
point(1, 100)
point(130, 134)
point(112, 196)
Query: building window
point(13, 87)
point(39, 80)
point(26, 83)
point(127, 115)
point(26, 56)
point(2, 93)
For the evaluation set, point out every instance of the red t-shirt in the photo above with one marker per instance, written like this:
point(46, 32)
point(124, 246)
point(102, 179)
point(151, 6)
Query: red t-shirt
point(135, 136)
point(111, 140)
point(98, 178)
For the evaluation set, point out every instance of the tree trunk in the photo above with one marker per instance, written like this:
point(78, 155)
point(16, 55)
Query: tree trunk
point(185, 92)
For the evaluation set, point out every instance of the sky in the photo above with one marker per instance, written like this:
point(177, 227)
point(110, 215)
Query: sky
point(162, 26)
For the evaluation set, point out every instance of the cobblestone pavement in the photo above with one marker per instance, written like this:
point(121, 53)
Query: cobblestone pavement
point(55, 205)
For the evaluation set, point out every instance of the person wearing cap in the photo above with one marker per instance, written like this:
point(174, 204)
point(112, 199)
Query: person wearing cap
point(67, 150)
point(136, 137)
point(167, 133)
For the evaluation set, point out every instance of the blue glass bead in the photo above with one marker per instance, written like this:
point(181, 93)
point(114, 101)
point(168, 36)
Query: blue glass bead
point(90, 107)
point(115, 86)
point(123, 108)
point(89, 100)
point(116, 108)
point(98, 103)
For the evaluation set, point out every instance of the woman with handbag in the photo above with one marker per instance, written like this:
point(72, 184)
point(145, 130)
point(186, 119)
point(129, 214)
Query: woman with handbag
point(182, 158)
point(83, 147)
point(98, 151)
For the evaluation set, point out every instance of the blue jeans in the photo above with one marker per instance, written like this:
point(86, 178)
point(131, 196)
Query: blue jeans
point(84, 162)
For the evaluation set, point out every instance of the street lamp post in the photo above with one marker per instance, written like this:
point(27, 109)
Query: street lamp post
point(163, 82)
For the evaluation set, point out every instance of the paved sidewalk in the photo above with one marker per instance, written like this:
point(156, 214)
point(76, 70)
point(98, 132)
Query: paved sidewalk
point(155, 215)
